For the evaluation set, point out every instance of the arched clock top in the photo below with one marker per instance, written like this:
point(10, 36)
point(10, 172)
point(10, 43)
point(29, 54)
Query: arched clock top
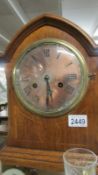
point(57, 22)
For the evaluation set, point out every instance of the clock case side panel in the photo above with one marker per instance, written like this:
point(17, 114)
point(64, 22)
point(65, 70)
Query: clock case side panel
point(32, 131)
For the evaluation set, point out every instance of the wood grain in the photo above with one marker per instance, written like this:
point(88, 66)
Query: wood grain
point(49, 135)
point(32, 158)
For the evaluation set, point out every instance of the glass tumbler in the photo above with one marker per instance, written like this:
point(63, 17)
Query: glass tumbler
point(79, 161)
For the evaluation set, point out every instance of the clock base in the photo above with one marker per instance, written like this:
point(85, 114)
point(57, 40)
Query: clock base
point(47, 160)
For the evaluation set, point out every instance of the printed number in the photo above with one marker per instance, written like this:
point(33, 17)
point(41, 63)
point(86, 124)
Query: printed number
point(77, 121)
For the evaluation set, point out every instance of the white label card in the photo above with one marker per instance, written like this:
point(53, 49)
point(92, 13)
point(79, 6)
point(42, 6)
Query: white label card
point(77, 120)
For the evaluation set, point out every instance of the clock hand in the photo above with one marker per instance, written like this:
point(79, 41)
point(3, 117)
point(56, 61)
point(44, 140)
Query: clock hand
point(47, 100)
point(48, 89)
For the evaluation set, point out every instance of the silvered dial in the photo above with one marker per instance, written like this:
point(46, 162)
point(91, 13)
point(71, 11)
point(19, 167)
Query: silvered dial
point(50, 77)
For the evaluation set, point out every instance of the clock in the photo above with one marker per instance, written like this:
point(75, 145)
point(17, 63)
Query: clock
point(50, 77)
point(51, 70)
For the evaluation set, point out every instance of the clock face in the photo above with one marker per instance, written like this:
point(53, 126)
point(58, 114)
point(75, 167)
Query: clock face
point(50, 77)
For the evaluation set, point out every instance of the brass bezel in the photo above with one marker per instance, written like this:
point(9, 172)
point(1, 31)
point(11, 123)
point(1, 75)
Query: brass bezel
point(83, 87)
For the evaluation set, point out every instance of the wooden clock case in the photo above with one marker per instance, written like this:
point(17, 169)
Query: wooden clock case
point(39, 142)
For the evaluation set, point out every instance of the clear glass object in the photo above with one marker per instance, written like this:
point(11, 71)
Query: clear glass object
point(80, 161)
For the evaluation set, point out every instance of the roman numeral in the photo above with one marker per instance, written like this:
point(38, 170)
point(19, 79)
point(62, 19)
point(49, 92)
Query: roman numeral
point(68, 64)
point(25, 78)
point(27, 90)
point(58, 55)
point(69, 88)
point(35, 60)
point(71, 76)
point(46, 52)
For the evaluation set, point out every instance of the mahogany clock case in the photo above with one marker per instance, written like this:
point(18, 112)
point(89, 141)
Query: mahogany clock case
point(29, 130)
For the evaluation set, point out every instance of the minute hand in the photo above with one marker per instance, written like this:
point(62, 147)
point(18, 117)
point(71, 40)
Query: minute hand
point(48, 89)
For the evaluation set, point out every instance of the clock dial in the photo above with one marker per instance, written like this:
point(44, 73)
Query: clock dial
point(51, 77)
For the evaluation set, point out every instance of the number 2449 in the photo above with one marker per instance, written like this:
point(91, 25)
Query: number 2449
point(77, 121)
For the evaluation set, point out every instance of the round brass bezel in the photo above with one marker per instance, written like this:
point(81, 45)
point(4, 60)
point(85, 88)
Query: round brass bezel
point(79, 95)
